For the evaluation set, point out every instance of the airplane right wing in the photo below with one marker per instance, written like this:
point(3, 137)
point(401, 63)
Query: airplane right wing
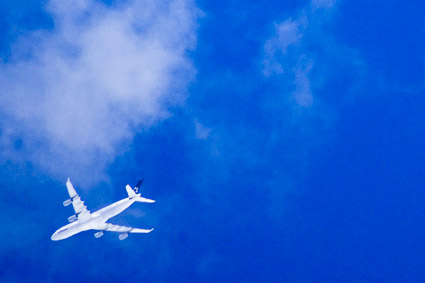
point(79, 207)
point(116, 228)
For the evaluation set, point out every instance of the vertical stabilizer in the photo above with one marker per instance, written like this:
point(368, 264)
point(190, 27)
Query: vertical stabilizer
point(134, 193)
point(138, 185)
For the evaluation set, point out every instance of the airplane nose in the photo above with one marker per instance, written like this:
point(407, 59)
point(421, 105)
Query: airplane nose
point(55, 236)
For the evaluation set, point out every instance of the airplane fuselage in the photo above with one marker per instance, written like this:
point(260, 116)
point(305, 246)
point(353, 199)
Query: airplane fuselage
point(97, 221)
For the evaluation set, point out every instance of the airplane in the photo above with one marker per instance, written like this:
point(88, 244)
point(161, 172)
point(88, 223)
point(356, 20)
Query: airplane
point(84, 220)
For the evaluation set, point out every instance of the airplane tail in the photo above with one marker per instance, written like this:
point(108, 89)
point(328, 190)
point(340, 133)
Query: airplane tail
point(133, 193)
point(142, 199)
point(130, 192)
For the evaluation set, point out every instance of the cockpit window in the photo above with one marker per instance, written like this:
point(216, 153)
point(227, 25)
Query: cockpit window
point(64, 229)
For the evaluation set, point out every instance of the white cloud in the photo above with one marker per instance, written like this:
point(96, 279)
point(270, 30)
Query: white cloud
point(325, 4)
point(201, 132)
point(284, 56)
point(315, 75)
point(286, 34)
point(73, 97)
point(287, 53)
point(302, 94)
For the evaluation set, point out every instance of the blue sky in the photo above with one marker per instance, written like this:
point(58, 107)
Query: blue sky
point(283, 141)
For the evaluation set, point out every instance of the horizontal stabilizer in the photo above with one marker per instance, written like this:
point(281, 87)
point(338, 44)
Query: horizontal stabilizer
point(142, 199)
point(130, 192)
point(134, 193)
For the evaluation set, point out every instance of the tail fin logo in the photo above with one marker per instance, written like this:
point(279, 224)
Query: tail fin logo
point(138, 185)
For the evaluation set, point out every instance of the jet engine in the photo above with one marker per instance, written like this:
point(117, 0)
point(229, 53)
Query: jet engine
point(123, 236)
point(67, 202)
point(72, 218)
point(98, 234)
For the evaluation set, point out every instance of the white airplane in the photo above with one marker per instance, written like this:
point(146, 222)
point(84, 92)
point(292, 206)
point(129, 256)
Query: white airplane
point(83, 220)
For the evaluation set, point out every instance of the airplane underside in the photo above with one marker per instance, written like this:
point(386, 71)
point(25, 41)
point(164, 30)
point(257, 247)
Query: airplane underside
point(83, 220)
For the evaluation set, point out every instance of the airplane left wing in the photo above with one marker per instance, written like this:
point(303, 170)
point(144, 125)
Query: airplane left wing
point(79, 207)
point(116, 228)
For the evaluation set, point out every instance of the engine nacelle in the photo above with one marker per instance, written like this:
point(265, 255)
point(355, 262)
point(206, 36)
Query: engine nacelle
point(98, 234)
point(72, 218)
point(67, 202)
point(123, 236)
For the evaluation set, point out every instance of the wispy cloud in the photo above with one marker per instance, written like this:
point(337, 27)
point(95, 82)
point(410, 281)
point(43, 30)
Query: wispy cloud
point(313, 74)
point(73, 97)
point(323, 4)
point(287, 53)
point(287, 34)
point(201, 132)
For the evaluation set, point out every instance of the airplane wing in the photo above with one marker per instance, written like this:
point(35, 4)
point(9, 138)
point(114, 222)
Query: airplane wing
point(117, 228)
point(80, 209)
